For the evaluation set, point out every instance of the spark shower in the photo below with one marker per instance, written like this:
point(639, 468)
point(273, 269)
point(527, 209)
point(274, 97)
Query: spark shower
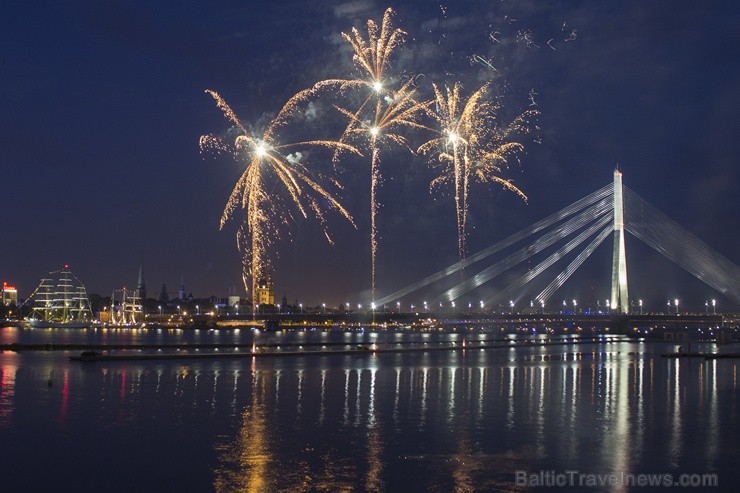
point(467, 143)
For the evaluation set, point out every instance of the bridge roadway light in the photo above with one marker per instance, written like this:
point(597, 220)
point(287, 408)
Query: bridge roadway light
point(676, 302)
point(706, 307)
point(640, 303)
point(575, 307)
point(542, 302)
point(511, 305)
point(398, 305)
point(714, 307)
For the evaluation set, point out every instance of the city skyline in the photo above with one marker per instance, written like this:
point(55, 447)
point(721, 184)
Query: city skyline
point(105, 106)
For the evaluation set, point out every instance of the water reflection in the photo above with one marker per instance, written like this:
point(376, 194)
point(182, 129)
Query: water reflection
point(7, 391)
point(438, 421)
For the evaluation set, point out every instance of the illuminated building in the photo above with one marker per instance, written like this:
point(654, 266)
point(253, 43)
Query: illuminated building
point(9, 294)
point(264, 293)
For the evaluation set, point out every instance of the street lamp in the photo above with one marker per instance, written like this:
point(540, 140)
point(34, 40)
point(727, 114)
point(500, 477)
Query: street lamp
point(160, 310)
point(398, 305)
point(714, 307)
point(669, 306)
point(676, 302)
point(640, 303)
point(301, 306)
point(197, 309)
point(323, 307)
point(575, 307)
point(706, 307)
point(511, 305)
point(542, 302)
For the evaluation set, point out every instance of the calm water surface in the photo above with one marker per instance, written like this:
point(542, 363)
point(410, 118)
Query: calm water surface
point(440, 421)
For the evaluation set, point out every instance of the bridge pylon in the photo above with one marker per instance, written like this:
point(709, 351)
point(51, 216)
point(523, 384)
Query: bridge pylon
point(619, 298)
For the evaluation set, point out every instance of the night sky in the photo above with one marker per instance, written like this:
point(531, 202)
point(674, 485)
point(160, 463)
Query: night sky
point(102, 105)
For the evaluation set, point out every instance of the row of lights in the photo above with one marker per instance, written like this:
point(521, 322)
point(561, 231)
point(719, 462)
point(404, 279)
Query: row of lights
point(470, 305)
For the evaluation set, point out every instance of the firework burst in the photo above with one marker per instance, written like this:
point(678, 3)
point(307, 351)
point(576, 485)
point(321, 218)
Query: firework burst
point(268, 161)
point(383, 112)
point(389, 117)
point(471, 145)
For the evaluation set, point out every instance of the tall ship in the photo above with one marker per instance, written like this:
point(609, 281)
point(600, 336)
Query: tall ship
point(60, 300)
point(130, 312)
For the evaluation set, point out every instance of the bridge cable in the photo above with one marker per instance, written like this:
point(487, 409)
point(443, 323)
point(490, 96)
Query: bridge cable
point(547, 222)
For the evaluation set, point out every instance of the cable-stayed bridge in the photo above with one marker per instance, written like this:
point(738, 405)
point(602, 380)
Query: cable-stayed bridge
point(569, 237)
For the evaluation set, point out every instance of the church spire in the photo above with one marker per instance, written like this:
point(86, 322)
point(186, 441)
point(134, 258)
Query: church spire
point(140, 285)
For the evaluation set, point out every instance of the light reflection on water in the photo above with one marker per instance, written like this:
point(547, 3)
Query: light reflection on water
point(444, 421)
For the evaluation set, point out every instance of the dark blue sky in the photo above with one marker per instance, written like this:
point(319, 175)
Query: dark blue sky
point(103, 104)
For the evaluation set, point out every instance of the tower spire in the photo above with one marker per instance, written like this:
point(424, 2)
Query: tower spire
point(619, 298)
point(140, 284)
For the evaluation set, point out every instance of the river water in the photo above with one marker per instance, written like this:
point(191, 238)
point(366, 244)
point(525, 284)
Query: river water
point(472, 420)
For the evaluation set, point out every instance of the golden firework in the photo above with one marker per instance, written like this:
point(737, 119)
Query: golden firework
point(390, 115)
point(383, 112)
point(267, 160)
point(472, 145)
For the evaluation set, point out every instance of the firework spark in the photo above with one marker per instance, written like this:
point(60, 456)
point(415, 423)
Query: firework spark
point(384, 110)
point(268, 161)
point(382, 127)
point(472, 146)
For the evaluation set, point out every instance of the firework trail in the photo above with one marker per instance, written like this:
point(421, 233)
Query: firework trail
point(383, 112)
point(267, 161)
point(471, 145)
point(390, 115)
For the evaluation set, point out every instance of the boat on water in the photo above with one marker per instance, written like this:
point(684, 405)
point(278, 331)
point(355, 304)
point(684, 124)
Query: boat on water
point(128, 314)
point(60, 301)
